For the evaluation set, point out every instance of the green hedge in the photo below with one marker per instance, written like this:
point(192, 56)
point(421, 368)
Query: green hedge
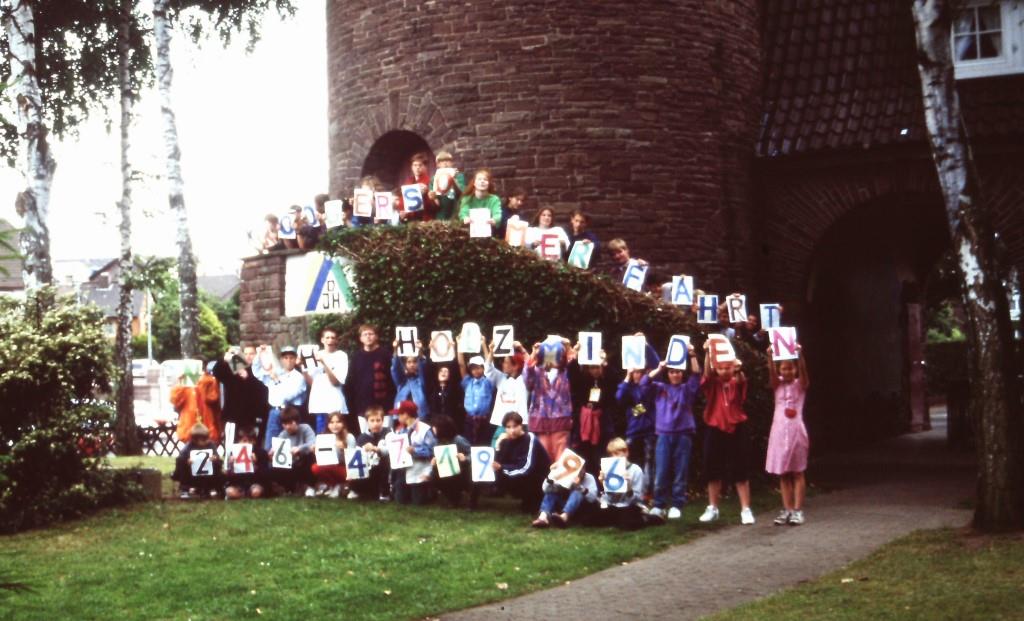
point(436, 277)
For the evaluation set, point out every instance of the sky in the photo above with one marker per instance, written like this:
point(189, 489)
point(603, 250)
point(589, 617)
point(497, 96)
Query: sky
point(253, 133)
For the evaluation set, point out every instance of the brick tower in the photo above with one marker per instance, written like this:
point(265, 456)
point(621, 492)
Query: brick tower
point(643, 114)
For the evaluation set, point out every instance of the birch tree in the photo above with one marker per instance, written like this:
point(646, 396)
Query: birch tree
point(188, 290)
point(995, 396)
point(125, 431)
point(36, 163)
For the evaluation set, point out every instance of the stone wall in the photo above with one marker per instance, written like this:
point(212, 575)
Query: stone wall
point(642, 114)
point(261, 303)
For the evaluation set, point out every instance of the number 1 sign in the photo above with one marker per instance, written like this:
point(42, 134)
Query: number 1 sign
point(483, 457)
point(614, 468)
point(281, 453)
point(447, 460)
point(567, 468)
point(201, 462)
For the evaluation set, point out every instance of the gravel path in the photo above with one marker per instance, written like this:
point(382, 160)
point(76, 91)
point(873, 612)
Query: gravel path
point(887, 491)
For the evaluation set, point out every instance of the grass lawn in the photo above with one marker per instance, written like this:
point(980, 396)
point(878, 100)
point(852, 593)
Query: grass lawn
point(940, 574)
point(291, 558)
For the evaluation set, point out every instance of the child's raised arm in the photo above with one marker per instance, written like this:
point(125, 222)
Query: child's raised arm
point(661, 366)
point(805, 379)
point(708, 370)
point(460, 357)
point(773, 372)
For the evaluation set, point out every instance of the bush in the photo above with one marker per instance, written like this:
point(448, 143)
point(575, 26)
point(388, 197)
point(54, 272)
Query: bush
point(54, 361)
point(434, 276)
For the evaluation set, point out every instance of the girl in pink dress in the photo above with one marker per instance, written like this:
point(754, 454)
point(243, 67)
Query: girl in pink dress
point(787, 442)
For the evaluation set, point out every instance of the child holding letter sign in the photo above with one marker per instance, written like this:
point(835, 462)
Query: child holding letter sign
point(421, 178)
point(548, 380)
point(482, 197)
point(478, 398)
point(676, 427)
point(727, 444)
point(787, 443)
point(449, 183)
point(409, 374)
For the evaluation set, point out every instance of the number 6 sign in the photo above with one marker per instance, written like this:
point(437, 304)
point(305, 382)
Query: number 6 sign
point(613, 469)
point(281, 454)
point(483, 457)
point(567, 468)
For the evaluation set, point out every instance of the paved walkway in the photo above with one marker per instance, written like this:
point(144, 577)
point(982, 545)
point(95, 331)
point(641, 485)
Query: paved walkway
point(886, 491)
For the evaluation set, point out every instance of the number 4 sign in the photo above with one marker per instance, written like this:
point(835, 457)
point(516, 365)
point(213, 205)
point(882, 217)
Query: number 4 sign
point(613, 469)
point(447, 461)
point(242, 459)
point(281, 453)
point(201, 462)
point(355, 467)
point(567, 468)
point(483, 457)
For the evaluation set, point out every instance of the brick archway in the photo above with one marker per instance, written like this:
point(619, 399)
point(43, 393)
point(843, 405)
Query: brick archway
point(388, 158)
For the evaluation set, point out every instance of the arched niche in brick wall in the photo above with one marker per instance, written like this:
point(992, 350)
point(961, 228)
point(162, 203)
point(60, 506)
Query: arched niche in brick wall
point(389, 157)
point(861, 324)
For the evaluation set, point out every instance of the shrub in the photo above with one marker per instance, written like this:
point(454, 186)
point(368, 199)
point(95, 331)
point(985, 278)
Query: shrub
point(434, 276)
point(54, 361)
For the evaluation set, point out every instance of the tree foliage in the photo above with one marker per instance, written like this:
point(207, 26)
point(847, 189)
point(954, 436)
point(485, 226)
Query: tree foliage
point(54, 363)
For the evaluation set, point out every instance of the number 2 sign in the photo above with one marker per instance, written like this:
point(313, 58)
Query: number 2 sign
point(202, 463)
point(281, 453)
point(567, 468)
point(482, 457)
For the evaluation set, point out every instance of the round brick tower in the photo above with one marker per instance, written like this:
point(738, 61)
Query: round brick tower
point(642, 114)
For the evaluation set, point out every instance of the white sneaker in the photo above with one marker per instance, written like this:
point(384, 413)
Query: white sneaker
point(674, 513)
point(796, 518)
point(710, 514)
point(747, 516)
point(310, 492)
point(352, 495)
point(783, 517)
point(334, 492)
point(658, 512)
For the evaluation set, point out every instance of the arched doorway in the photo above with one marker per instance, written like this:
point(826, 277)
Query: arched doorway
point(389, 156)
point(862, 323)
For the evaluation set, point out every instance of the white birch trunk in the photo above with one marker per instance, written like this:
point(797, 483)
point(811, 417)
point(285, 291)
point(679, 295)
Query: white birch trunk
point(125, 430)
point(37, 164)
point(995, 397)
point(176, 196)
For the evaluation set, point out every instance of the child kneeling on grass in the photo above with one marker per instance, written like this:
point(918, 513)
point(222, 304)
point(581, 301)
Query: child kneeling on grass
point(625, 509)
point(301, 440)
point(561, 505)
point(377, 484)
point(420, 445)
point(330, 480)
point(246, 484)
point(452, 487)
point(201, 486)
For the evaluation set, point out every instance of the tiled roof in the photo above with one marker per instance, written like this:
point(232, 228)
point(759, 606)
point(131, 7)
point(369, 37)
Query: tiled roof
point(841, 74)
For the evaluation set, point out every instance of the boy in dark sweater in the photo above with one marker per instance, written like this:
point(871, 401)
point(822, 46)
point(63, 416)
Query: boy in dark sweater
point(301, 439)
point(521, 463)
point(200, 484)
point(377, 484)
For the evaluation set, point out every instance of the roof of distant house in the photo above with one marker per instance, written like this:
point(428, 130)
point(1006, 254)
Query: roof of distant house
point(842, 74)
point(220, 286)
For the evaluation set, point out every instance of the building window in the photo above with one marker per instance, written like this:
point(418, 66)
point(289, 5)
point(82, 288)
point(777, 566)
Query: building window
point(987, 39)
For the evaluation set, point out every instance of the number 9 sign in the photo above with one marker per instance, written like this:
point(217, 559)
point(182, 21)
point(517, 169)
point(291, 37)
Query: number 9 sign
point(567, 468)
point(482, 457)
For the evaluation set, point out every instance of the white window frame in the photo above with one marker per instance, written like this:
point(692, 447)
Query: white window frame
point(1012, 59)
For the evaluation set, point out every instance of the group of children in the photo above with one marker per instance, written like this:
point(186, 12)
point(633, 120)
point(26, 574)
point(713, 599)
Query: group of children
point(537, 411)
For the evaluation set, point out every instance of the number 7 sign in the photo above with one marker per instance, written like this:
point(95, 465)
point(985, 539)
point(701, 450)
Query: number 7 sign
point(400, 458)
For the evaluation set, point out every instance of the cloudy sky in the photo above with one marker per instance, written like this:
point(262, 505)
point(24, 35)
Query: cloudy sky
point(253, 130)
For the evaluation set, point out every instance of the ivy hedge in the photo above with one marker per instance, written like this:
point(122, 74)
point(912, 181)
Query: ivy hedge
point(434, 276)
